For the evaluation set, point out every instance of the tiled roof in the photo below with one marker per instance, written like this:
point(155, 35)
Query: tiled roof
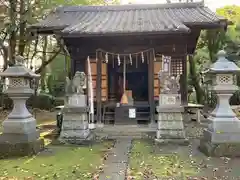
point(122, 19)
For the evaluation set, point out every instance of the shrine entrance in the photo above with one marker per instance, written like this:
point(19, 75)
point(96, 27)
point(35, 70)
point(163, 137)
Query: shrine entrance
point(136, 83)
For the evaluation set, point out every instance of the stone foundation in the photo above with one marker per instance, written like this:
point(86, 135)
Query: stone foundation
point(170, 126)
point(18, 149)
point(220, 144)
point(75, 126)
point(220, 149)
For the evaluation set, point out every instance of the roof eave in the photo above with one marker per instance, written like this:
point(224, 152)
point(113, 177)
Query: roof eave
point(77, 34)
point(208, 25)
point(45, 29)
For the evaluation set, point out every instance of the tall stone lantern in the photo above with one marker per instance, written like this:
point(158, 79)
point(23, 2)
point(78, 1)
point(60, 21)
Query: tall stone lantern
point(222, 136)
point(20, 136)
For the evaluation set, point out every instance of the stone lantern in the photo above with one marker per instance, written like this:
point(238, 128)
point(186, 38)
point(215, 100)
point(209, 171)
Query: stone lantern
point(222, 136)
point(20, 136)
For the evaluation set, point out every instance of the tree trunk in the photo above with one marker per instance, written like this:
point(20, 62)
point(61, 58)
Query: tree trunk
point(195, 80)
point(13, 31)
point(22, 29)
point(44, 59)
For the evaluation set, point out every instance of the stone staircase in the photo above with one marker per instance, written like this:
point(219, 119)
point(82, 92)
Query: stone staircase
point(125, 131)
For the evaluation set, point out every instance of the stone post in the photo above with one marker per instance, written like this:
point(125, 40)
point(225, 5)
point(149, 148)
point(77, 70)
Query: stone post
point(222, 136)
point(20, 136)
point(75, 128)
point(170, 112)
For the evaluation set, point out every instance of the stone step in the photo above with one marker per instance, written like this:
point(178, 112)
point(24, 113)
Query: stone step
point(126, 136)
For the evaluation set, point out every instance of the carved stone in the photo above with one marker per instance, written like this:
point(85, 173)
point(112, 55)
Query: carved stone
point(170, 112)
point(76, 85)
point(19, 129)
point(75, 114)
point(222, 136)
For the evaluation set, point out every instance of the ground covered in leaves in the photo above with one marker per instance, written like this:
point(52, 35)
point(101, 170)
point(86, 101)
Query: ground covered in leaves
point(153, 162)
point(42, 117)
point(60, 162)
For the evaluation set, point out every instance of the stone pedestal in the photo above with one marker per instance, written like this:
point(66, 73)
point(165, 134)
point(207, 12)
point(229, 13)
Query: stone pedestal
point(75, 128)
point(222, 136)
point(20, 136)
point(170, 120)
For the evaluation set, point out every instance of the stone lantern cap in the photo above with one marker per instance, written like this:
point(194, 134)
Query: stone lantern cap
point(19, 70)
point(223, 65)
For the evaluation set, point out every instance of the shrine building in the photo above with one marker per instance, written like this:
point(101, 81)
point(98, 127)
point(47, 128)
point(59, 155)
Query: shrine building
point(126, 45)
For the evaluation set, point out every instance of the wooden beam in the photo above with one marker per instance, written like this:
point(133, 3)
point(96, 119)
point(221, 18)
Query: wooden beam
point(99, 89)
point(151, 87)
point(184, 81)
point(72, 68)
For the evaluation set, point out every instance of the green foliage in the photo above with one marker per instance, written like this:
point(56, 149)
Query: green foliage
point(7, 103)
point(211, 41)
point(41, 101)
point(232, 13)
point(56, 86)
point(55, 3)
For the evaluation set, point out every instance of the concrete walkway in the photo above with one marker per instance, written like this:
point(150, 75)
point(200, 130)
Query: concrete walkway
point(116, 165)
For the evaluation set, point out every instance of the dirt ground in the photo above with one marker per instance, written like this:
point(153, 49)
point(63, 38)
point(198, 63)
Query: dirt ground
point(208, 168)
point(176, 162)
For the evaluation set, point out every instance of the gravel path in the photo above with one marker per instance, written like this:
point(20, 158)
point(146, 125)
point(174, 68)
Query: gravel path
point(116, 165)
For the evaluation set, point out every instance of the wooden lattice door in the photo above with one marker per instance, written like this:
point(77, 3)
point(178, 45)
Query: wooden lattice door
point(104, 79)
point(157, 68)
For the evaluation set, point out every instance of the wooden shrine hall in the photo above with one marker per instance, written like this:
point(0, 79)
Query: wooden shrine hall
point(126, 45)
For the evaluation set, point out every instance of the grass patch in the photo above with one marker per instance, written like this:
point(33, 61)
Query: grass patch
point(146, 162)
point(57, 162)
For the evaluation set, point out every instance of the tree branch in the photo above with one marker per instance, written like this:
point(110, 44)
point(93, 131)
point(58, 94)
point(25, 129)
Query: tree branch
point(35, 49)
point(4, 51)
point(44, 64)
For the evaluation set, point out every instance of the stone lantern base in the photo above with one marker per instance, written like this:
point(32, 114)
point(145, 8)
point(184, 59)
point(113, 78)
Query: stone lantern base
point(17, 138)
point(220, 144)
point(15, 149)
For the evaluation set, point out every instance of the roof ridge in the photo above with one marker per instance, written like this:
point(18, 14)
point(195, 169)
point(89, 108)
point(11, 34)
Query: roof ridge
point(82, 8)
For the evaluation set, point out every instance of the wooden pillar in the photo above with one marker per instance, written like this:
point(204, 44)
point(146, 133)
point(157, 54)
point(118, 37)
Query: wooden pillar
point(80, 64)
point(99, 89)
point(151, 87)
point(72, 67)
point(184, 81)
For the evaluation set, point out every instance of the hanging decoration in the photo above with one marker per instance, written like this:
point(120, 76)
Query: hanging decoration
point(166, 63)
point(142, 57)
point(130, 59)
point(119, 61)
point(154, 57)
point(106, 57)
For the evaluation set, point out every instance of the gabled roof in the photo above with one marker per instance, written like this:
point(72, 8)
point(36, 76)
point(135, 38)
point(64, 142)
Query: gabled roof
point(125, 19)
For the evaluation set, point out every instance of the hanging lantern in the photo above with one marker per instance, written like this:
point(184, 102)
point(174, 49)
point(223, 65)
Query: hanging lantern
point(130, 58)
point(106, 57)
point(119, 62)
point(142, 57)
